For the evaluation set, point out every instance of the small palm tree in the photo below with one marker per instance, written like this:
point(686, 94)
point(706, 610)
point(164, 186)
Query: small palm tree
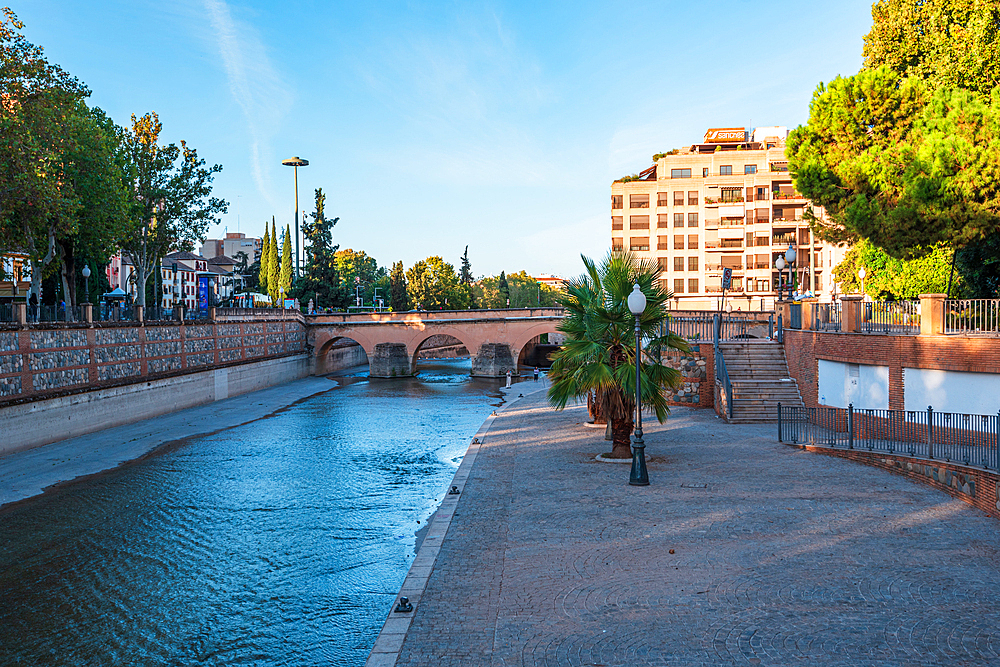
point(599, 353)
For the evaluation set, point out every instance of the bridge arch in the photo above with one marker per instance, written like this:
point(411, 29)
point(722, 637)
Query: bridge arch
point(339, 352)
point(525, 341)
point(469, 342)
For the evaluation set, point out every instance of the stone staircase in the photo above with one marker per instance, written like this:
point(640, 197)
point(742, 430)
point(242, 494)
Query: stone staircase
point(759, 375)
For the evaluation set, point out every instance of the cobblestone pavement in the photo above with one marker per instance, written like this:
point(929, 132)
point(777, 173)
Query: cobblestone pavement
point(741, 552)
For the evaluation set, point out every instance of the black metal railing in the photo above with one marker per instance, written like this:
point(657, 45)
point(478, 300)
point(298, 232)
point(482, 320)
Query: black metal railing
point(112, 312)
point(972, 316)
point(891, 317)
point(721, 372)
point(968, 439)
point(55, 313)
point(733, 326)
point(826, 316)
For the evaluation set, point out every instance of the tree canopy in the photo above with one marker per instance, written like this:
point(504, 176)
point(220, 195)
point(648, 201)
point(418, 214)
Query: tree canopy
point(906, 153)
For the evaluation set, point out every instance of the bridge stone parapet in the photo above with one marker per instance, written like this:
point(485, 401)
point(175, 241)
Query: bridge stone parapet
point(392, 341)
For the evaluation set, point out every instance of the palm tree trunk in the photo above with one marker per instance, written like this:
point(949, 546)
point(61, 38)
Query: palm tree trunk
point(621, 433)
point(594, 409)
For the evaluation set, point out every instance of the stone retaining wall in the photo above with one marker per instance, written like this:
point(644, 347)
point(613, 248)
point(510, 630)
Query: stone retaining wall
point(698, 372)
point(39, 363)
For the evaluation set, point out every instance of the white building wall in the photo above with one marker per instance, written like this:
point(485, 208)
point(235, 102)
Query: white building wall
point(841, 384)
point(951, 391)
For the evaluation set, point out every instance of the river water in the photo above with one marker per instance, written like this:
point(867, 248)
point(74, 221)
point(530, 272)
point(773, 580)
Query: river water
point(281, 542)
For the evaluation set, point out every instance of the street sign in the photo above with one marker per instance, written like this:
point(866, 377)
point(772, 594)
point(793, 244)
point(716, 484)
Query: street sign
point(727, 278)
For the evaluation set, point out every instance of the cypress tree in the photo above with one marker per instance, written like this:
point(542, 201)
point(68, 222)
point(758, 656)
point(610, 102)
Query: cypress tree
point(504, 290)
point(265, 249)
point(397, 288)
point(285, 282)
point(272, 265)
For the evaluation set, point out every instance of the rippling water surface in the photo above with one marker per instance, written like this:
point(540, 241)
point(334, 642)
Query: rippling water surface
point(282, 542)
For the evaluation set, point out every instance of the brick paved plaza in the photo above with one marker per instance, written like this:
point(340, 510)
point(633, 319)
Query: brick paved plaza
point(741, 552)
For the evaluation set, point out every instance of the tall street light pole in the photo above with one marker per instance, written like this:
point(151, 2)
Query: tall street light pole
point(296, 162)
point(639, 477)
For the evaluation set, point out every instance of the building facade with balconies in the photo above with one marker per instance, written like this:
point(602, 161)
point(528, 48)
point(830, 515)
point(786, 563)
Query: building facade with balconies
point(727, 202)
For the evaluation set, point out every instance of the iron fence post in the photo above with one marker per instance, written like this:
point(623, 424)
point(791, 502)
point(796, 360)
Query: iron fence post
point(930, 432)
point(770, 326)
point(850, 425)
point(996, 442)
point(779, 422)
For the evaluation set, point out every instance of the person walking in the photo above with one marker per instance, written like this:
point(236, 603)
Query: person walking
point(508, 379)
point(536, 373)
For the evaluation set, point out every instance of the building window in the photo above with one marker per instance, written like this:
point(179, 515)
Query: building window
point(638, 201)
point(761, 194)
point(692, 241)
point(661, 263)
point(692, 285)
point(616, 244)
point(639, 244)
point(731, 195)
point(704, 172)
point(678, 286)
point(680, 173)
point(616, 222)
point(661, 198)
point(762, 242)
point(661, 221)
point(749, 239)
point(692, 197)
point(638, 222)
point(679, 242)
point(692, 263)
point(750, 169)
point(662, 243)
point(678, 219)
point(726, 170)
point(678, 263)
point(679, 198)
point(616, 201)
point(692, 219)
point(737, 285)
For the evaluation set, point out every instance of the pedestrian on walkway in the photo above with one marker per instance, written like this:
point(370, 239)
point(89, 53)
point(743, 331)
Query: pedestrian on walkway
point(536, 373)
point(508, 379)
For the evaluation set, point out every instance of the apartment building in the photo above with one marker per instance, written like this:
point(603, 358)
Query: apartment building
point(230, 246)
point(725, 202)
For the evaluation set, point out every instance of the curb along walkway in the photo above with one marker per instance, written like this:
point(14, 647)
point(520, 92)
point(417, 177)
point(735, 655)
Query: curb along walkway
point(779, 557)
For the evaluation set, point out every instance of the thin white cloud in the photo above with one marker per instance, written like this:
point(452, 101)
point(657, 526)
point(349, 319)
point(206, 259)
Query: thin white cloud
point(254, 84)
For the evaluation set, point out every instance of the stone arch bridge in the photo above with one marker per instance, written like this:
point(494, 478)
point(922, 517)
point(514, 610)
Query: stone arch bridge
point(392, 341)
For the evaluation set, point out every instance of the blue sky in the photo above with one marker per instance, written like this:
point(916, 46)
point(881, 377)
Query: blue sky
point(432, 126)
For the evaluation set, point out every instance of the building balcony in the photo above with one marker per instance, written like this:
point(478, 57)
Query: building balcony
point(719, 267)
point(724, 244)
point(783, 239)
point(786, 195)
point(714, 201)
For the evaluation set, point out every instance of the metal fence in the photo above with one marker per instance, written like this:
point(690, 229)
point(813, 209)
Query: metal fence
point(6, 312)
point(891, 317)
point(827, 316)
point(972, 316)
point(56, 313)
point(925, 434)
point(699, 327)
point(107, 312)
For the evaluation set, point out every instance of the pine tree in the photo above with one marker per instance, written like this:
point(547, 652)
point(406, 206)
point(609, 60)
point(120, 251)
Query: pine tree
point(272, 265)
point(265, 249)
point(285, 281)
point(397, 288)
point(504, 290)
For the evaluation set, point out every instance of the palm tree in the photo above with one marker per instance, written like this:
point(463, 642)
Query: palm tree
point(599, 353)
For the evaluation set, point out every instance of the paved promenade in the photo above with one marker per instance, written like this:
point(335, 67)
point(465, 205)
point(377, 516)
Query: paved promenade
point(741, 552)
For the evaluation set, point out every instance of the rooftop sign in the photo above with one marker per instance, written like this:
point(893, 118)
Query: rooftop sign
point(725, 135)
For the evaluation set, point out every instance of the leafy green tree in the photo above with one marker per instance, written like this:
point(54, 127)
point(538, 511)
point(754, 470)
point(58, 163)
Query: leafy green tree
point(949, 43)
point(38, 104)
point(978, 264)
point(273, 266)
point(891, 278)
point(397, 288)
point(263, 262)
point(599, 355)
point(170, 206)
point(431, 284)
point(905, 153)
point(286, 263)
point(360, 273)
point(320, 280)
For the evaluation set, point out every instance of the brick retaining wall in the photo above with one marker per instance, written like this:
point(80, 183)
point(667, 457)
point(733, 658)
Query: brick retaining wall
point(949, 353)
point(40, 362)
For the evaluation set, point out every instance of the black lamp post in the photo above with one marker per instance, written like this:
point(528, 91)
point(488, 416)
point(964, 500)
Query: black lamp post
point(86, 282)
point(296, 162)
point(639, 477)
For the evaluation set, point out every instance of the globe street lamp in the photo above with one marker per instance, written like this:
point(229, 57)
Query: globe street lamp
point(780, 265)
point(639, 477)
point(296, 162)
point(790, 258)
point(86, 282)
point(861, 275)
